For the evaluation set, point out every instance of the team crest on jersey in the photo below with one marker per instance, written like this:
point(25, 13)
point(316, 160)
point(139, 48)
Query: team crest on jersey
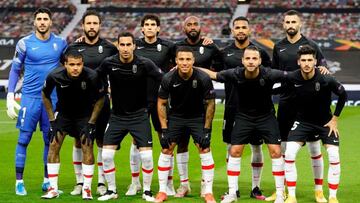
point(317, 86)
point(194, 84)
point(300, 47)
point(55, 46)
point(201, 50)
point(83, 85)
point(134, 68)
point(262, 82)
point(159, 47)
point(100, 49)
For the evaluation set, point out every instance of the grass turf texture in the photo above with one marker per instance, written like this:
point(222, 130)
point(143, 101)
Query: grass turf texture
point(349, 150)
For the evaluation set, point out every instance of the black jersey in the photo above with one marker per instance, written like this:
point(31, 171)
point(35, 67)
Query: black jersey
point(76, 97)
point(231, 57)
point(205, 56)
point(186, 97)
point(285, 58)
point(94, 54)
point(254, 95)
point(128, 82)
point(160, 52)
point(313, 97)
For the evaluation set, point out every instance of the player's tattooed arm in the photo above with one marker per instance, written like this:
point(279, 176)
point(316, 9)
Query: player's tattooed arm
point(96, 111)
point(161, 108)
point(48, 106)
point(210, 111)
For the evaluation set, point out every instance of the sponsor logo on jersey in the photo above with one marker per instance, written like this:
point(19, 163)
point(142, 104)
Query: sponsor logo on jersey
point(176, 85)
point(100, 49)
point(134, 68)
point(201, 50)
point(63, 86)
point(230, 54)
point(281, 50)
point(34, 48)
point(55, 46)
point(194, 83)
point(159, 47)
point(140, 47)
point(296, 85)
point(317, 86)
point(81, 50)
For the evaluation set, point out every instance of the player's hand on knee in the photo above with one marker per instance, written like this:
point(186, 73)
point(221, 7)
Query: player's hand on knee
point(204, 141)
point(11, 105)
point(52, 132)
point(88, 134)
point(164, 139)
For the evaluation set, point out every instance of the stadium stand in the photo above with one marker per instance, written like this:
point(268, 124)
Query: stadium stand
point(305, 4)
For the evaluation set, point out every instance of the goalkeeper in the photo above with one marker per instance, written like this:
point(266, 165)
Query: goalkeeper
point(80, 99)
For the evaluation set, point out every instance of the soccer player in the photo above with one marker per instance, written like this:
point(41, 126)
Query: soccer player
point(128, 75)
point(255, 115)
point(160, 51)
point(285, 58)
point(191, 111)
point(206, 56)
point(94, 50)
point(80, 96)
point(314, 119)
point(38, 54)
point(231, 57)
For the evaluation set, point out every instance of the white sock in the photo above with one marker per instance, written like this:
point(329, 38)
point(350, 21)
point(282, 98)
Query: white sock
point(109, 168)
point(147, 168)
point(77, 161)
point(101, 176)
point(207, 169)
point(334, 170)
point(164, 166)
point(46, 180)
point(256, 164)
point(317, 163)
point(182, 164)
point(170, 182)
point(88, 171)
point(233, 172)
point(135, 164)
point(279, 174)
point(53, 174)
point(292, 148)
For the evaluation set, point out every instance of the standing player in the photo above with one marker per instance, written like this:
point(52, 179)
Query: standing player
point(285, 58)
point(255, 115)
point(231, 57)
point(38, 53)
point(94, 50)
point(314, 119)
point(191, 111)
point(80, 99)
point(128, 75)
point(160, 52)
point(206, 56)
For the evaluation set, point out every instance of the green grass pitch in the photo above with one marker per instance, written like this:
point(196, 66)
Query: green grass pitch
point(349, 190)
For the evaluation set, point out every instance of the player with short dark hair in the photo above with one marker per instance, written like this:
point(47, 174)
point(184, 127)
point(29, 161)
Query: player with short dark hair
point(160, 51)
point(128, 75)
point(80, 97)
point(206, 56)
point(314, 119)
point(285, 58)
point(37, 54)
point(231, 58)
point(191, 111)
point(255, 115)
point(94, 50)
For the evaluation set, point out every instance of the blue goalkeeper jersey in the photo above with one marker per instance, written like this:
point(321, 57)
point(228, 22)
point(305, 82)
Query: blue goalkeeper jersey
point(38, 58)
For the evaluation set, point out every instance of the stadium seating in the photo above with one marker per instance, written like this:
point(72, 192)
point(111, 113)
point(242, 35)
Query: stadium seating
point(36, 3)
point(305, 4)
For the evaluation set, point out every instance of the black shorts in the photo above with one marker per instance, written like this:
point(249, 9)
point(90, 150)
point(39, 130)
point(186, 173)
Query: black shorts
point(247, 128)
point(103, 119)
point(228, 125)
point(154, 116)
point(138, 127)
point(179, 129)
point(286, 116)
point(70, 126)
point(307, 132)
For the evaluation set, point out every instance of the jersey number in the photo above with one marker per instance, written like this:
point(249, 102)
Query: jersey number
point(295, 125)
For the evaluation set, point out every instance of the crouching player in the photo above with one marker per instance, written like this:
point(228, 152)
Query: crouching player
point(80, 99)
point(314, 120)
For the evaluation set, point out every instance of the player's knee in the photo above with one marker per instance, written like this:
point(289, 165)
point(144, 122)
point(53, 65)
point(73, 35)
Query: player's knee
point(203, 151)
point(292, 149)
point(235, 151)
point(182, 149)
point(77, 143)
point(333, 153)
point(314, 148)
point(167, 151)
point(24, 137)
point(107, 155)
point(99, 142)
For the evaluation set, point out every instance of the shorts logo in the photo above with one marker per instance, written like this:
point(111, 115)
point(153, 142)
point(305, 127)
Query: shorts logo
point(83, 85)
point(201, 50)
point(55, 46)
point(158, 47)
point(262, 82)
point(194, 84)
point(134, 68)
point(100, 49)
point(317, 86)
